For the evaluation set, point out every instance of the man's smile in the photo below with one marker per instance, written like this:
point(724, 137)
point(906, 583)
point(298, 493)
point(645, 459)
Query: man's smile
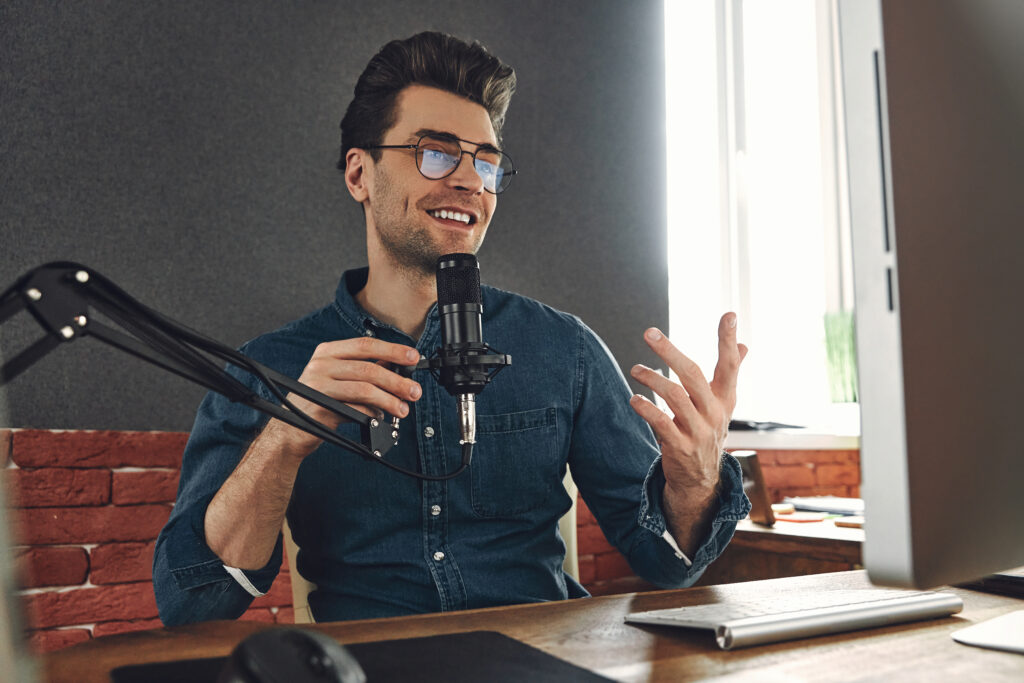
point(454, 217)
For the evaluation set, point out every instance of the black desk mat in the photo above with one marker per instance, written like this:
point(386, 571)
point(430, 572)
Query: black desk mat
point(454, 658)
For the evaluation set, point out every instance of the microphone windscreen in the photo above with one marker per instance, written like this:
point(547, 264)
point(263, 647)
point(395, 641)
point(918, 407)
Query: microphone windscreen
point(458, 280)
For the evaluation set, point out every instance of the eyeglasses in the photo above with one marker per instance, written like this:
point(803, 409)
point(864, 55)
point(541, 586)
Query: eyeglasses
point(438, 155)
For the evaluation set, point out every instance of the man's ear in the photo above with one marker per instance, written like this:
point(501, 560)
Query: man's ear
point(356, 173)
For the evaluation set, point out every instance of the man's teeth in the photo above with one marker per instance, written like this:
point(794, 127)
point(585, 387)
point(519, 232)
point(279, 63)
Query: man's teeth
point(451, 215)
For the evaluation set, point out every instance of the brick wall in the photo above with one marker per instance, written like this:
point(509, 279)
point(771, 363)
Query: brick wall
point(87, 507)
point(810, 473)
point(786, 473)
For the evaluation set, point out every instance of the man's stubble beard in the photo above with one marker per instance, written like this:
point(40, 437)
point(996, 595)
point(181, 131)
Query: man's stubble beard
point(409, 245)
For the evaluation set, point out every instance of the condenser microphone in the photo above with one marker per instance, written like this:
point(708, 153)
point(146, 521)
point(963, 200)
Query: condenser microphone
point(465, 363)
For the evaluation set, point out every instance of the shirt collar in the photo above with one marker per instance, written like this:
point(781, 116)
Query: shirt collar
point(352, 282)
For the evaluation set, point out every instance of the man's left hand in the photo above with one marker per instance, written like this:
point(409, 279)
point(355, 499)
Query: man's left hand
point(692, 437)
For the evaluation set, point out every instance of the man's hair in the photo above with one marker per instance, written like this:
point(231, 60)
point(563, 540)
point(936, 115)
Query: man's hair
point(432, 59)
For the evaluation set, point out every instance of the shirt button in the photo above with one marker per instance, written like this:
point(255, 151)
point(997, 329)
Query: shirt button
point(368, 333)
point(428, 432)
point(438, 556)
point(435, 510)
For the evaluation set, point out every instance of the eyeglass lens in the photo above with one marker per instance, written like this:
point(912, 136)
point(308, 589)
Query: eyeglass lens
point(438, 158)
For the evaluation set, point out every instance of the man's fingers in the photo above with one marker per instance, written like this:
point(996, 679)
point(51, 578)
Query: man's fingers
point(730, 355)
point(369, 395)
point(664, 427)
point(375, 374)
point(361, 360)
point(689, 373)
point(358, 372)
point(678, 400)
point(364, 397)
point(369, 348)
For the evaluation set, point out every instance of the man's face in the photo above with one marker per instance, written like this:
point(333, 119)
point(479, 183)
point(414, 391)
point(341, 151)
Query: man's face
point(405, 208)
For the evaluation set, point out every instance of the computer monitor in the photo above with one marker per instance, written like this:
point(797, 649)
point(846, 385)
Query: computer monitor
point(934, 113)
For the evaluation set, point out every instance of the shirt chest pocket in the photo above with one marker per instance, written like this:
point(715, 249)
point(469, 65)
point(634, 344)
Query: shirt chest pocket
point(515, 462)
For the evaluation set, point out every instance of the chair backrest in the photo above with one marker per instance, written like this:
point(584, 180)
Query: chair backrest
point(301, 587)
point(567, 527)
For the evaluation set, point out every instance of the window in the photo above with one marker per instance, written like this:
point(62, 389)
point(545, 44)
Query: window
point(757, 218)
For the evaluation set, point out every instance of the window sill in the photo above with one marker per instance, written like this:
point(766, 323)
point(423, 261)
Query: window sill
point(791, 439)
point(837, 427)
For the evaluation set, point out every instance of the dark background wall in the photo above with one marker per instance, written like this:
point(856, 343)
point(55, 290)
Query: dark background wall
point(186, 150)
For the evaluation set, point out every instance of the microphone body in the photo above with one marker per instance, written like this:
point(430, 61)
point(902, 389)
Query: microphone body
point(460, 308)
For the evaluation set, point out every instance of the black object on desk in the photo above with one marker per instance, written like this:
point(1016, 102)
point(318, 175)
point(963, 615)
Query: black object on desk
point(1010, 583)
point(753, 485)
point(454, 658)
point(754, 425)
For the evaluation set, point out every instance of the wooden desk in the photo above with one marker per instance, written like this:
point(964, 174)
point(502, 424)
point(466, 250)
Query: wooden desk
point(590, 632)
point(788, 549)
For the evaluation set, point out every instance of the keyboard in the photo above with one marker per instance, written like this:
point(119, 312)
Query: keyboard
point(802, 615)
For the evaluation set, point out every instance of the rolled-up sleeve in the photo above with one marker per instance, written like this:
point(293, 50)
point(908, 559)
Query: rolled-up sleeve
point(616, 462)
point(191, 583)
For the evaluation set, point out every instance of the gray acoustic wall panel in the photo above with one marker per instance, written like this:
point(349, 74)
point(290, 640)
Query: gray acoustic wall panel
point(186, 150)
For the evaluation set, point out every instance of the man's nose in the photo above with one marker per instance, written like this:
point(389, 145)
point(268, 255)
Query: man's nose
point(465, 176)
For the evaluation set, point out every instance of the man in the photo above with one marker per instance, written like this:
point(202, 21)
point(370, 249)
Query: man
point(421, 153)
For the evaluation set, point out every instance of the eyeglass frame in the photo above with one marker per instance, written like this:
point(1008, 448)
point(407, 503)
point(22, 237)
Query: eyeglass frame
point(448, 136)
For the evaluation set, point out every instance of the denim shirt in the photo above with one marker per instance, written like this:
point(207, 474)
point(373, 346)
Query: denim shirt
point(378, 543)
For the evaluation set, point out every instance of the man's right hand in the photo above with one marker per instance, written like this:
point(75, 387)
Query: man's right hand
point(355, 372)
point(244, 518)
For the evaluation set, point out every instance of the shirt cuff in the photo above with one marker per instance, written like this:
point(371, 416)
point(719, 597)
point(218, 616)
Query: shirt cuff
point(244, 581)
point(732, 506)
point(675, 548)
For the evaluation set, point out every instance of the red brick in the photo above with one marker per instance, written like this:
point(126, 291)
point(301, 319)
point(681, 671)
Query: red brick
point(789, 458)
point(588, 569)
point(590, 540)
point(56, 639)
point(827, 457)
point(279, 595)
point(39, 567)
point(285, 615)
point(160, 486)
point(838, 475)
point(59, 486)
point(44, 448)
point(583, 514)
point(848, 456)
point(91, 605)
point(258, 614)
point(109, 628)
point(788, 476)
point(779, 457)
point(793, 457)
point(611, 566)
point(5, 447)
point(121, 563)
point(817, 456)
point(841, 491)
point(47, 526)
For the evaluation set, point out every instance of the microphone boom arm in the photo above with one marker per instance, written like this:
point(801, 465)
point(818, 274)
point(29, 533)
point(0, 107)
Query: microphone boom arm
point(61, 296)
